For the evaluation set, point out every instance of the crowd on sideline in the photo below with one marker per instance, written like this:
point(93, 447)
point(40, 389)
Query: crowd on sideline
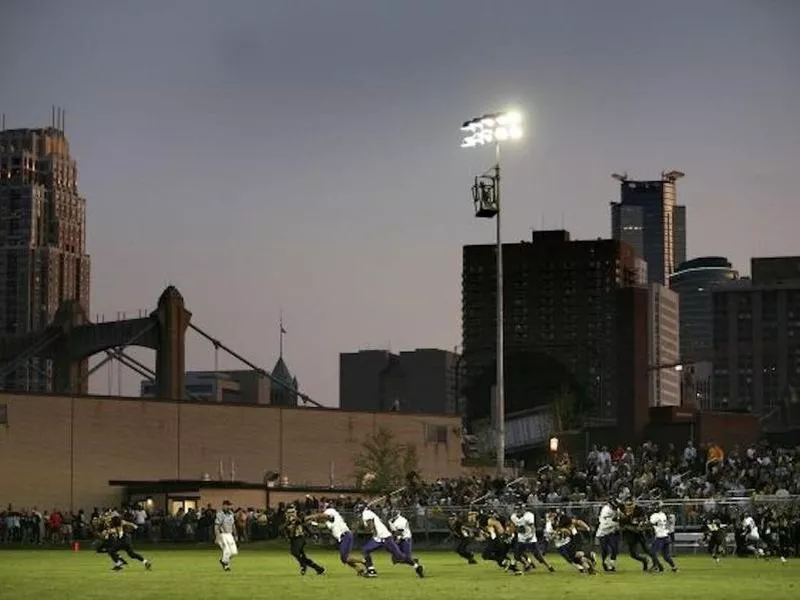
point(707, 474)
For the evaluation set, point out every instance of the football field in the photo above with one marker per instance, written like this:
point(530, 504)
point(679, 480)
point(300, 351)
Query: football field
point(259, 573)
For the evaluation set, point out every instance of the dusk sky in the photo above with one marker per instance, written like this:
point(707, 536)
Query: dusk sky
point(305, 155)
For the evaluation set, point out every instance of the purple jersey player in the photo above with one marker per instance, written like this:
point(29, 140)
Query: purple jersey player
point(345, 539)
point(382, 538)
point(402, 533)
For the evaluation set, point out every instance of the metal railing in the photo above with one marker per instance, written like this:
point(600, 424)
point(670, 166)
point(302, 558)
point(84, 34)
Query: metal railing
point(430, 523)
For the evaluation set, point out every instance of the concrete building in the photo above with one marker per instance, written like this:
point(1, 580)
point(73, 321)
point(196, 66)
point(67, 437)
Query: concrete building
point(416, 381)
point(663, 341)
point(563, 318)
point(246, 387)
point(62, 451)
point(757, 338)
point(43, 257)
point(360, 379)
point(694, 280)
point(648, 218)
point(242, 386)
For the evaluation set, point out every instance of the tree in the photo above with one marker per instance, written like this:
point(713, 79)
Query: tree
point(565, 409)
point(385, 464)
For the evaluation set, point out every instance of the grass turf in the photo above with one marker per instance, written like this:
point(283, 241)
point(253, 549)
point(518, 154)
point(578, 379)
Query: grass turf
point(184, 574)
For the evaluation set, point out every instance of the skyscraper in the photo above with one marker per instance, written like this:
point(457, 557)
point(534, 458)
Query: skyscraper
point(648, 219)
point(43, 260)
point(563, 320)
point(665, 381)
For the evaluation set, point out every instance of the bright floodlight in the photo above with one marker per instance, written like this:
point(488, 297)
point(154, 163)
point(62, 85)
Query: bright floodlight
point(493, 128)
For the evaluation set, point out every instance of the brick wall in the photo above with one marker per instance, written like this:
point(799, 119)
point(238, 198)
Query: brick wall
point(62, 451)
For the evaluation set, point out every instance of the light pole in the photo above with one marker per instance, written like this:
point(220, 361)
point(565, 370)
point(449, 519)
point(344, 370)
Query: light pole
point(494, 129)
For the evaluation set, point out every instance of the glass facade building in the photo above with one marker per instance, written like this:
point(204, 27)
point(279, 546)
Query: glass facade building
point(648, 219)
point(694, 281)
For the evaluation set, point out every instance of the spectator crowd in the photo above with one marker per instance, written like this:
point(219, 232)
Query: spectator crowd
point(704, 475)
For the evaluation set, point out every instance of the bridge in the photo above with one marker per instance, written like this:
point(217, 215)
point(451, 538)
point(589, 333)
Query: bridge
point(72, 339)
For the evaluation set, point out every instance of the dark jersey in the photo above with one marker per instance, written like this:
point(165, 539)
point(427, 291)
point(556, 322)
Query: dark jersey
point(294, 527)
point(634, 521)
point(459, 528)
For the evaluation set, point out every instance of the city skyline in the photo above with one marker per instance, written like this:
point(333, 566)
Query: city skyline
point(252, 156)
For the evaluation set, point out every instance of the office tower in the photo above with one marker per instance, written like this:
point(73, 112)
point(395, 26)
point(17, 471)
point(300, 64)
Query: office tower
point(43, 260)
point(694, 281)
point(418, 381)
point(648, 219)
point(663, 336)
point(563, 315)
point(757, 338)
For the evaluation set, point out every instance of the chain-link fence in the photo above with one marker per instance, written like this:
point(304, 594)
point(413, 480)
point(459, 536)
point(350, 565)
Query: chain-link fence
point(430, 527)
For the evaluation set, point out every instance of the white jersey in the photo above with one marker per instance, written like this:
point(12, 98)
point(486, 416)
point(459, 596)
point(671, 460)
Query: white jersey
point(549, 531)
point(335, 524)
point(559, 537)
point(562, 537)
point(526, 527)
point(381, 531)
point(401, 527)
point(608, 521)
point(660, 524)
point(671, 523)
point(750, 528)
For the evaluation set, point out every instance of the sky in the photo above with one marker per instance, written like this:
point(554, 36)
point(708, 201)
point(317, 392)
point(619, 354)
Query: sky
point(302, 157)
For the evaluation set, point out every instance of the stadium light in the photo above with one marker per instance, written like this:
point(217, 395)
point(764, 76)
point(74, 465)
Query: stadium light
point(495, 128)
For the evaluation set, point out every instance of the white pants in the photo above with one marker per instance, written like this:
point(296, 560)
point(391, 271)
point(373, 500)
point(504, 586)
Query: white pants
point(228, 545)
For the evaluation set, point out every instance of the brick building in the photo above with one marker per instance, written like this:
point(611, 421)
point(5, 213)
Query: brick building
point(62, 451)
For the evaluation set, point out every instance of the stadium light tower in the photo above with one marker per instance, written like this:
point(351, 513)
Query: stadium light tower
point(495, 129)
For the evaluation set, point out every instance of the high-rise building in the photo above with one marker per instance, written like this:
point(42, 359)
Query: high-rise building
point(420, 381)
point(694, 281)
point(648, 218)
point(757, 338)
point(43, 260)
point(663, 336)
point(563, 315)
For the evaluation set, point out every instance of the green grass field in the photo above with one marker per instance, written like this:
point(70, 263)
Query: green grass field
point(257, 573)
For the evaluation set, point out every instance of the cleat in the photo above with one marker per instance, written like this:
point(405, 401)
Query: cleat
point(322, 571)
point(148, 565)
point(302, 570)
point(419, 570)
point(472, 561)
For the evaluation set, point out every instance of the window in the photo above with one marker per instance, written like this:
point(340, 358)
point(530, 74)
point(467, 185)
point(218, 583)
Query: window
point(436, 434)
point(4, 414)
